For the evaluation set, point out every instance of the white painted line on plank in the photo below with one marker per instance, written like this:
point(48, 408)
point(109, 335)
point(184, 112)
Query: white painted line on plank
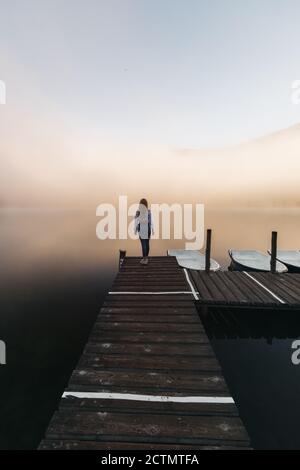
point(150, 398)
point(190, 284)
point(115, 292)
point(264, 287)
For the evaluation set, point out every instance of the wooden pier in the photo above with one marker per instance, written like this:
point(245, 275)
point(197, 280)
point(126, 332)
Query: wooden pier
point(244, 289)
point(148, 377)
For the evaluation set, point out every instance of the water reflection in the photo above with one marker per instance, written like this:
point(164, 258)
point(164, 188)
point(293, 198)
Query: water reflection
point(254, 348)
point(252, 323)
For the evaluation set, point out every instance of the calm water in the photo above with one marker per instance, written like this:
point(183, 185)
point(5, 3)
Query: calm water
point(53, 276)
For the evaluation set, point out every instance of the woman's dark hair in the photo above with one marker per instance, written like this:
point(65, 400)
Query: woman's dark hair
point(144, 202)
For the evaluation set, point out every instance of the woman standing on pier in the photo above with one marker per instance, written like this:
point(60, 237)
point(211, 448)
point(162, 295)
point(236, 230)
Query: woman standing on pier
point(144, 227)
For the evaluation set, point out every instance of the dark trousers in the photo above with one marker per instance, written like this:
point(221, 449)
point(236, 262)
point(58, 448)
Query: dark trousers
point(145, 242)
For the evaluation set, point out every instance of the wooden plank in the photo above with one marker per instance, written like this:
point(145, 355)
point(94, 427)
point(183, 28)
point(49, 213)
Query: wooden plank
point(149, 288)
point(144, 301)
point(149, 299)
point(204, 293)
point(154, 311)
point(203, 383)
point(142, 407)
point(142, 337)
point(281, 286)
point(208, 281)
point(98, 445)
point(149, 348)
point(157, 285)
point(107, 425)
point(145, 362)
point(255, 293)
point(147, 318)
point(293, 278)
point(153, 279)
point(236, 290)
point(148, 277)
point(228, 294)
point(148, 327)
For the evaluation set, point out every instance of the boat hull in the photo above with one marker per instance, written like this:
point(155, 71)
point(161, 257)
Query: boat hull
point(235, 266)
point(253, 261)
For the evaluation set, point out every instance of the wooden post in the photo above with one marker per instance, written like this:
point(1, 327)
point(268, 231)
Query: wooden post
point(207, 251)
point(122, 254)
point(273, 252)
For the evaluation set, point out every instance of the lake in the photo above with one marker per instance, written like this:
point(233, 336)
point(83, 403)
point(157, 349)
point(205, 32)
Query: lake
point(54, 274)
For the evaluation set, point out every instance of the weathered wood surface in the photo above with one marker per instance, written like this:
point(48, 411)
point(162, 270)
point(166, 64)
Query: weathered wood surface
point(148, 427)
point(238, 289)
point(99, 445)
point(147, 345)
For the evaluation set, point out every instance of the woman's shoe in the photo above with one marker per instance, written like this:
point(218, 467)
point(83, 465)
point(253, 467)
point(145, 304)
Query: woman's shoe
point(146, 261)
point(142, 261)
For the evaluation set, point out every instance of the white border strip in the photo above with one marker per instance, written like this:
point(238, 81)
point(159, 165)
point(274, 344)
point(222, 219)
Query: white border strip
point(115, 292)
point(264, 287)
point(190, 284)
point(149, 398)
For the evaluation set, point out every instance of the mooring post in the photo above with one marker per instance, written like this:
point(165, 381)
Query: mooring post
point(207, 251)
point(273, 252)
point(122, 254)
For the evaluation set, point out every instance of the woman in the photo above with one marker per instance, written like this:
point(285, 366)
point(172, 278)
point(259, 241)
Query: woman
point(144, 227)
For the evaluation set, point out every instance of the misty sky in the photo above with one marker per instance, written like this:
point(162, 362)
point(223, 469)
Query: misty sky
point(109, 97)
point(179, 73)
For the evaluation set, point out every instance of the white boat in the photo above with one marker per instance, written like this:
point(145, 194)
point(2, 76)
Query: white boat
point(251, 260)
point(193, 259)
point(290, 258)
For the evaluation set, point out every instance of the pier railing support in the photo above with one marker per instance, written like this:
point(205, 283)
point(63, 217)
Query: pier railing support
point(207, 251)
point(122, 254)
point(273, 252)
